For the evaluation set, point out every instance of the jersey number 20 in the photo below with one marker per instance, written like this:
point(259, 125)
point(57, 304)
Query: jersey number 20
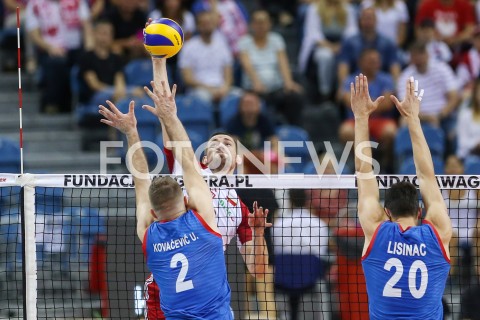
point(181, 284)
point(390, 291)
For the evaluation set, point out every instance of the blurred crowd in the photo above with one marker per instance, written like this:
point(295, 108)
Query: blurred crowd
point(263, 64)
point(276, 70)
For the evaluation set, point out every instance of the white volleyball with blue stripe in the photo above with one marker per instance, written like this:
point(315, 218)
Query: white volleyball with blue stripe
point(163, 38)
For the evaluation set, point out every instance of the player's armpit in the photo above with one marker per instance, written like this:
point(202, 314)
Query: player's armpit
point(145, 218)
point(370, 214)
point(438, 216)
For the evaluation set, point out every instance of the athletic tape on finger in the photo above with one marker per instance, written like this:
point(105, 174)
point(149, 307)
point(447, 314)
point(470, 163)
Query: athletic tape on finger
point(420, 96)
point(416, 87)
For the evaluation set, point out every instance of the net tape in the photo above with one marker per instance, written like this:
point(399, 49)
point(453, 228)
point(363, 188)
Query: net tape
point(288, 181)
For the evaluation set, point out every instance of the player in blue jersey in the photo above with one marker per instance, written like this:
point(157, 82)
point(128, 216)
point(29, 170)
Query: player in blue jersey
point(183, 247)
point(405, 264)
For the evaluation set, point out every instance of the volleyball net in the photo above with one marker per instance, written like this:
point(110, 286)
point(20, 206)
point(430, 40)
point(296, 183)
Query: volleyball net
point(69, 248)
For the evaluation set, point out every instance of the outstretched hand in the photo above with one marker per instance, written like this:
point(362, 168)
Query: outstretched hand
point(362, 104)
point(410, 106)
point(124, 122)
point(258, 218)
point(165, 105)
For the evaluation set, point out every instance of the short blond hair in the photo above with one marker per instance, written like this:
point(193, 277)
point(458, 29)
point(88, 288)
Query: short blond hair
point(163, 190)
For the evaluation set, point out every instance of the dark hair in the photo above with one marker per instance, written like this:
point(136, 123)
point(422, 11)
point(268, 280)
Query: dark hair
point(162, 190)
point(418, 47)
point(298, 198)
point(402, 200)
point(218, 133)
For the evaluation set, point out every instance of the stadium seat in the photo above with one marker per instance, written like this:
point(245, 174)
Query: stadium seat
point(435, 139)
point(139, 72)
point(408, 166)
point(472, 165)
point(10, 156)
point(195, 114)
point(295, 134)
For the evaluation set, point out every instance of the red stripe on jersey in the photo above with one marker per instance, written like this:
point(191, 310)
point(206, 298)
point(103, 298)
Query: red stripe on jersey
point(233, 203)
point(244, 231)
point(205, 225)
point(370, 245)
point(170, 158)
point(144, 244)
point(440, 243)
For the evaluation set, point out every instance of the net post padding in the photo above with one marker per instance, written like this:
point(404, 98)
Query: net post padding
point(29, 246)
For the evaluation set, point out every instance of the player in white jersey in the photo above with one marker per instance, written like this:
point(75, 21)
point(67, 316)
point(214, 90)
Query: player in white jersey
point(233, 217)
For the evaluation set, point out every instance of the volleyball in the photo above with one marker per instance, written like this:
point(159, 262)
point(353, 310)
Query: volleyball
point(163, 38)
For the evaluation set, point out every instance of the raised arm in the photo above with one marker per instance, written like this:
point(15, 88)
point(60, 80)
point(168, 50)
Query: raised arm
point(437, 214)
point(200, 198)
point(370, 213)
point(160, 75)
point(127, 124)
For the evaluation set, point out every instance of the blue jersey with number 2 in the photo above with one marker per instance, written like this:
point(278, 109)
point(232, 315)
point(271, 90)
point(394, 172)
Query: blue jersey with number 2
point(405, 272)
point(186, 258)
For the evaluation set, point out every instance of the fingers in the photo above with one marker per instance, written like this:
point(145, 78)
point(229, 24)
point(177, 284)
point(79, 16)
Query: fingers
point(395, 100)
point(379, 100)
point(365, 85)
point(131, 107)
point(149, 108)
point(174, 91)
point(255, 206)
point(415, 90)
point(357, 85)
point(150, 93)
point(420, 95)
point(106, 113)
point(113, 108)
point(108, 122)
point(410, 86)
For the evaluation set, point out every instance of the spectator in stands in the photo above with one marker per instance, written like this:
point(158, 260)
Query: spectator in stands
point(383, 127)
point(128, 21)
point(283, 11)
point(266, 68)
point(59, 32)
point(230, 17)
point(454, 19)
point(462, 204)
point(327, 23)
point(327, 203)
point(102, 71)
point(367, 38)
point(97, 8)
point(441, 99)
point(392, 19)
point(437, 49)
point(469, 68)
point(205, 61)
point(10, 22)
point(468, 126)
point(297, 232)
point(250, 125)
point(175, 10)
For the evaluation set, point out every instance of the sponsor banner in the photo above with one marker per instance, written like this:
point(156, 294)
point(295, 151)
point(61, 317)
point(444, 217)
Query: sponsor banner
point(8, 179)
point(289, 181)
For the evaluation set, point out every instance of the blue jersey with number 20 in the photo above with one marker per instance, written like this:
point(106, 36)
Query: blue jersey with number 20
point(405, 272)
point(186, 258)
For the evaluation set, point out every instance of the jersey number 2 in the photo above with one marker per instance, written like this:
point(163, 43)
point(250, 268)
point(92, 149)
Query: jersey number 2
point(390, 291)
point(181, 284)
